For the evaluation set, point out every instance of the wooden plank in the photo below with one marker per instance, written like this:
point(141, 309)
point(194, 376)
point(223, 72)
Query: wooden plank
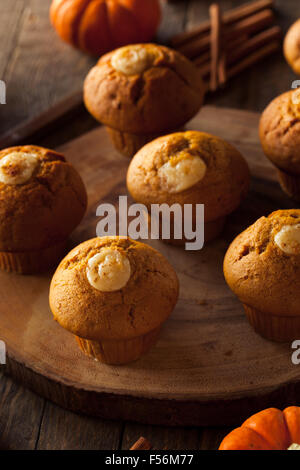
point(20, 416)
point(172, 384)
point(162, 438)
point(42, 69)
point(62, 430)
point(42, 123)
point(211, 438)
point(11, 14)
point(170, 438)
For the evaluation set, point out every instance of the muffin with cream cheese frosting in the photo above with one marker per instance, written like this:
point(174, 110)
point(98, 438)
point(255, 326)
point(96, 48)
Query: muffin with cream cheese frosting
point(190, 168)
point(279, 131)
point(262, 267)
point(42, 200)
point(114, 294)
point(142, 91)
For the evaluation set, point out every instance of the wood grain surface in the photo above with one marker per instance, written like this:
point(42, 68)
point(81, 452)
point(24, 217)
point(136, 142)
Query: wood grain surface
point(209, 367)
point(25, 419)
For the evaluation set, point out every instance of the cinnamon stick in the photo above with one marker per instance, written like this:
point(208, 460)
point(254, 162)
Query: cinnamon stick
point(222, 72)
point(205, 57)
point(253, 58)
point(141, 444)
point(205, 70)
point(248, 26)
point(245, 63)
point(215, 18)
point(234, 15)
point(230, 45)
point(254, 43)
point(240, 49)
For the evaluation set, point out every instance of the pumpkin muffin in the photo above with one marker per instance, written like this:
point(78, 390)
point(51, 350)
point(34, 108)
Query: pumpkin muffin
point(190, 168)
point(279, 131)
point(142, 91)
point(42, 200)
point(291, 47)
point(262, 267)
point(113, 294)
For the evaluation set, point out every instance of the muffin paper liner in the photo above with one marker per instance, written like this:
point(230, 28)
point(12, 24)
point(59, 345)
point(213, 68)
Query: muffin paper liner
point(120, 351)
point(32, 261)
point(274, 327)
point(129, 144)
point(290, 184)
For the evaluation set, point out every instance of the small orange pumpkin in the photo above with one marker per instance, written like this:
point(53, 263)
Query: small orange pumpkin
point(98, 26)
point(271, 429)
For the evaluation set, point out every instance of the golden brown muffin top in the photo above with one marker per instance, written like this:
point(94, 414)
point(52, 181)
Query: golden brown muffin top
point(189, 168)
point(262, 265)
point(291, 46)
point(143, 89)
point(42, 198)
point(279, 131)
point(148, 294)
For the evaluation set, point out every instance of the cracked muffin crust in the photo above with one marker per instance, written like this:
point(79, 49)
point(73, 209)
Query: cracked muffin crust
point(141, 91)
point(190, 168)
point(42, 200)
point(262, 267)
point(291, 47)
point(117, 318)
point(279, 131)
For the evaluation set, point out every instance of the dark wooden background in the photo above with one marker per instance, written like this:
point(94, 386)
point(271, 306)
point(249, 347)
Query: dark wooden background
point(39, 71)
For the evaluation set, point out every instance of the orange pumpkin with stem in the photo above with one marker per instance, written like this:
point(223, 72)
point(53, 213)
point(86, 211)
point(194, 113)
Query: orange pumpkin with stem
point(271, 429)
point(98, 26)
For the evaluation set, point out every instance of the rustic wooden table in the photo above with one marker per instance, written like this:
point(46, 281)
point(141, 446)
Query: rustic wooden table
point(39, 71)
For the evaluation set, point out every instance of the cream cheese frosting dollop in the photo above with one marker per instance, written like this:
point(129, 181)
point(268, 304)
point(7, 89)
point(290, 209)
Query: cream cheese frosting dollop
point(294, 447)
point(288, 239)
point(181, 172)
point(133, 60)
point(109, 270)
point(17, 167)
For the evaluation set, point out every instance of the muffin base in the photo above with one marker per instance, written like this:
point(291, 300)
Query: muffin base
point(290, 184)
point(273, 327)
point(32, 262)
point(117, 352)
point(129, 144)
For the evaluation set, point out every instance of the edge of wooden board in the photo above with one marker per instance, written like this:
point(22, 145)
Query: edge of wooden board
point(150, 410)
point(146, 409)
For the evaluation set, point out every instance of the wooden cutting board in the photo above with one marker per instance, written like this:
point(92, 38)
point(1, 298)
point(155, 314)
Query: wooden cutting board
point(208, 367)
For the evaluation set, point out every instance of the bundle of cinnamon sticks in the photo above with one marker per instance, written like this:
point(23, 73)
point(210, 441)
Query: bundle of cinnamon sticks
point(229, 43)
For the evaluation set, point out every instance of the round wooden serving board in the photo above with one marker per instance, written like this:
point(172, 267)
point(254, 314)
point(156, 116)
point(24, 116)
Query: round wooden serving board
point(209, 367)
